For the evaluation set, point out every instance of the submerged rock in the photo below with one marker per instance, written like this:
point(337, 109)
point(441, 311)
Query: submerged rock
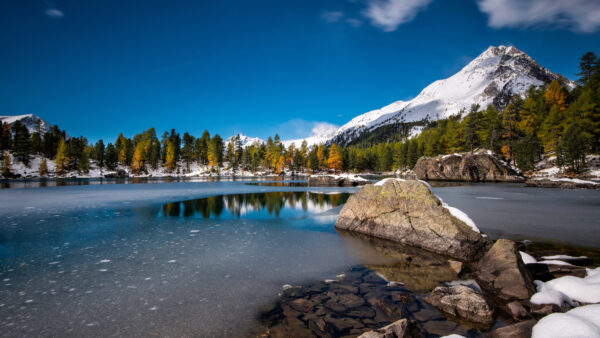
point(462, 302)
point(409, 213)
point(336, 181)
point(502, 272)
point(394, 330)
point(481, 166)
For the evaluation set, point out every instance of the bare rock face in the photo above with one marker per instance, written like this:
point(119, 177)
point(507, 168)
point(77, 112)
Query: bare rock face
point(479, 166)
point(502, 272)
point(462, 302)
point(408, 212)
point(336, 181)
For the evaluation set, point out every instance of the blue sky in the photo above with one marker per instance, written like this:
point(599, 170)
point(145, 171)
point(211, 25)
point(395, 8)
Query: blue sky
point(97, 68)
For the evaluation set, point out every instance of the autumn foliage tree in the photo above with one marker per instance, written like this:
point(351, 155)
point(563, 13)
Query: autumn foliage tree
point(334, 162)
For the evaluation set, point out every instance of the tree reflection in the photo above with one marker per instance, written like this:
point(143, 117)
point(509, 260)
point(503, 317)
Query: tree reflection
point(269, 204)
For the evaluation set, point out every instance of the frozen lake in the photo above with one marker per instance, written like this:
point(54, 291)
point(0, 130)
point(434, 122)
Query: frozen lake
point(180, 259)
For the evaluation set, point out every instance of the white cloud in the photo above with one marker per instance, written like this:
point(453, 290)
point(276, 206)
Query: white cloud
point(323, 129)
point(577, 15)
point(389, 14)
point(332, 16)
point(54, 13)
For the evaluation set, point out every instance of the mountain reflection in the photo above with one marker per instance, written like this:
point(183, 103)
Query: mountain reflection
point(254, 205)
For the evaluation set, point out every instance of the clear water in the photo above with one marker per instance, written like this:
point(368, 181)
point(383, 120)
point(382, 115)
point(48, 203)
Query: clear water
point(108, 260)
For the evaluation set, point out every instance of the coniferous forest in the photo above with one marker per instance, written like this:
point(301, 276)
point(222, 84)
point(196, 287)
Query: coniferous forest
point(551, 120)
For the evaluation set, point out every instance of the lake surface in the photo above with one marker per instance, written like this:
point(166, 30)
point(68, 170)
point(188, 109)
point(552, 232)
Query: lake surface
point(200, 258)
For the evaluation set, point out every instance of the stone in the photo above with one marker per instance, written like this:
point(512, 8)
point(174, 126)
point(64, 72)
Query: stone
point(396, 329)
point(302, 305)
point(456, 266)
point(518, 330)
point(336, 181)
point(502, 273)
point(350, 301)
point(561, 184)
point(518, 311)
point(546, 272)
point(335, 306)
point(462, 302)
point(480, 166)
point(408, 212)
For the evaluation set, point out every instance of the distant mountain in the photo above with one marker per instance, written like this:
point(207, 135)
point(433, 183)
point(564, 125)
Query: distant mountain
point(245, 140)
point(29, 120)
point(491, 78)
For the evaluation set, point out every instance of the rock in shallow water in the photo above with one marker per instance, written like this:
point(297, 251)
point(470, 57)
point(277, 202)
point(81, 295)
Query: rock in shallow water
point(502, 272)
point(462, 302)
point(336, 181)
point(409, 213)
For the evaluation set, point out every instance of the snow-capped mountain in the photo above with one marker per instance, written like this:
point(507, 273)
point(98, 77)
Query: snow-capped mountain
point(29, 120)
point(491, 78)
point(245, 140)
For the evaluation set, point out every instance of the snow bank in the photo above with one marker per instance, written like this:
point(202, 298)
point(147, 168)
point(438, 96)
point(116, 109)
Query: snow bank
point(383, 181)
point(564, 257)
point(568, 289)
point(564, 179)
point(580, 322)
point(455, 211)
point(527, 258)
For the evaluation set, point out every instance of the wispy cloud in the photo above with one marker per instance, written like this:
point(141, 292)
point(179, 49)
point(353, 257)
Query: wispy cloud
point(300, 128)
point(389, 14)
point(54, 13)
point(576, 15)
point(332, 16)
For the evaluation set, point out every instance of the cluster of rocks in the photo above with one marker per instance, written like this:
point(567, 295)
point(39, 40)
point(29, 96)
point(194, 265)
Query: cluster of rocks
point(336, 181)
point(358, 303)
point(479, 166)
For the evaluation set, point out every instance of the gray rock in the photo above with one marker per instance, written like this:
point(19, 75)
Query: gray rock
point(548, 183)
point(462, 302)
point(470, 167)
point(408, 212)
point(395, 330)
point(502, 272)
point(518, 330)
point(336, 181)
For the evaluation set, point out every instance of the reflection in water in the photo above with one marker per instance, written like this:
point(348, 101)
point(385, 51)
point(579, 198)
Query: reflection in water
point(280, 184)
point(255, 205)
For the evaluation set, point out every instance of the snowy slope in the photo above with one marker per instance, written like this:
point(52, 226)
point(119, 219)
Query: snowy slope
point(29, 120)
point(245, 140)
point(491, 78)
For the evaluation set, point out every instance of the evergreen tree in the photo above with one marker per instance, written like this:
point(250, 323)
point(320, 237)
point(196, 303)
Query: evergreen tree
point(551, 129)
point(5, 137)
point(187, 152)
point(587, 67)
point(111, 157)
point(99, 150)
point(572, 149)
point(21, 142)
point(527, 152)
point(510, 117)
point(84, 161)
point(171, 153)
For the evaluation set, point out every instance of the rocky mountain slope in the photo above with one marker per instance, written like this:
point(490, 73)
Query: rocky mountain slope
point(29, 120)
point(491, 78)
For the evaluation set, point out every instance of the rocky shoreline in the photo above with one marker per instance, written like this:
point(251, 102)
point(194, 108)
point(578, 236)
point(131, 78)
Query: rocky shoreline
point(487, 289)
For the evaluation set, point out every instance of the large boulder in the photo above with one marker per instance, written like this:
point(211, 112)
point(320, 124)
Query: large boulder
point(409, 213)
point(481, 166)
point(502, 272)
point(336, 181)
point(462, 302)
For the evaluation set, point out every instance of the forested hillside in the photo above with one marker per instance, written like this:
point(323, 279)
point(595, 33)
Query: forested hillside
point(548, 120)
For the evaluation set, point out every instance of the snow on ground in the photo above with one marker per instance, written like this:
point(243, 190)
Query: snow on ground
point(564, 257)
point(567, 289)
point(353, 177)
point(564, 179)
point(581, 322)
point(383, 181)
point(527, 258)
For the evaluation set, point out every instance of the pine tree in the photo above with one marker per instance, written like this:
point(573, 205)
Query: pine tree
point(334, 161)
point(551, 130)
point(84, 161)
point(62, 160)
point(111, 156)
point(320, 156)
point(510, 117)
point(572, 149)
point(21, 142)
point(187, 152)
point(5, 137)
point(587, 66)
point(99, 150)
point(43, 169)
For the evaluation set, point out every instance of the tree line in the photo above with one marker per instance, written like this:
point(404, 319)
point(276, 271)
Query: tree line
point(552, 119)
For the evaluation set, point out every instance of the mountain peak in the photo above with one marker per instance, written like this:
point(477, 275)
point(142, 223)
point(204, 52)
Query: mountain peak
point(492, 78)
